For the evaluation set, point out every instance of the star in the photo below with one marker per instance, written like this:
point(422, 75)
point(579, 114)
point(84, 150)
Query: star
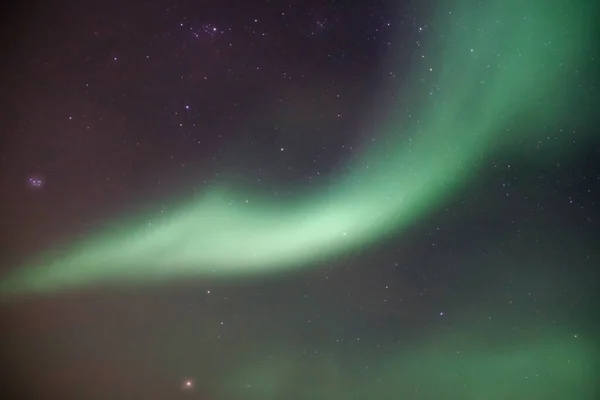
point(187, 384)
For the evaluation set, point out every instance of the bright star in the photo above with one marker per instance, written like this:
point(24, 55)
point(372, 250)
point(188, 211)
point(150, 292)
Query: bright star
point(188, 384)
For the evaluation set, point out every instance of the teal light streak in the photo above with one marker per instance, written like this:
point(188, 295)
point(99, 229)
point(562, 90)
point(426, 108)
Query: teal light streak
point(490, 64)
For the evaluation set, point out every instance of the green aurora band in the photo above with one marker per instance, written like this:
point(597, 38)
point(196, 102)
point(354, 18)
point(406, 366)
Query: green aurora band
point(545, 368)
point(493, 63)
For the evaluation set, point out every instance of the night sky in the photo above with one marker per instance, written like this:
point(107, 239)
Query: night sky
point(290, 200)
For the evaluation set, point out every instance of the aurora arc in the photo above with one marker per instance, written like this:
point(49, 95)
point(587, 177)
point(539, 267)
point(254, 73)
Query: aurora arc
point(491, 63)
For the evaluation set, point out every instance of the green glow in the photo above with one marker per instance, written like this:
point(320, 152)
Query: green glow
point(493, 63)
point(460, 367)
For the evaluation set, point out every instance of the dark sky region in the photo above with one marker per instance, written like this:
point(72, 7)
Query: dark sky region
point(290, 200)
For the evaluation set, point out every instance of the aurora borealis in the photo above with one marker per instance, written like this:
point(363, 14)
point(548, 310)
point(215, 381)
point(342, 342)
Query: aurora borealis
point(496, 62)
point(483, 83)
